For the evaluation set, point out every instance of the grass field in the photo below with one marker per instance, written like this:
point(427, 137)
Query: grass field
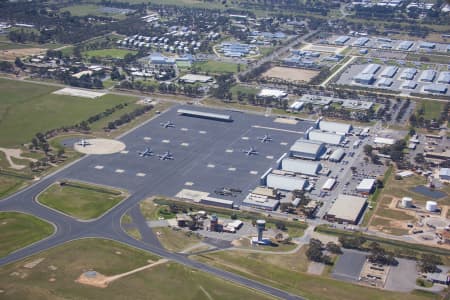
point(18, 230)
point(310, 286)
point(113, 53)
point(176, 241)
point(218, 67)
point(27, 108)
point(80, 200)
point(432, 109)
point(164, 282)
point(89, 9)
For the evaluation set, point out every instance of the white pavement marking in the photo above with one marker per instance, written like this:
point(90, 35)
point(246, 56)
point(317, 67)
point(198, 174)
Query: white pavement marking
point(283, 144)
point(185, 144)
point(211, 166)
point(140, 174)
point(184, 129)
point(269, 157)
point(278, 129)
point(202, 132)
point(124, 152)
point(244, 138)
point(229, 151)
point(232, 169)
point(254, 172)
point(98, 167)
point(189, 183)
point(147, 138)
point(165, 141)
point(119, 171)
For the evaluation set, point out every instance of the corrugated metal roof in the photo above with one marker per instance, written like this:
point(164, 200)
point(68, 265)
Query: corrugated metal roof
point(347, 207)
point(286, 183)
point(436, 88)
point(305, 146)
point(335, 126)
point(337, 155)
point(371, 69)
point(427, 75)
point(444, 77)
point(306, 167)
point(389, 71)
point(325, 137)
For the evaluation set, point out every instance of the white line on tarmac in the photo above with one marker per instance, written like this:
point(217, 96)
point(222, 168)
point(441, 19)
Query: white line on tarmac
point(278, 129)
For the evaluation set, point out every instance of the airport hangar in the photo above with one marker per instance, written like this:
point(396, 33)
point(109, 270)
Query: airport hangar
point(208, 154)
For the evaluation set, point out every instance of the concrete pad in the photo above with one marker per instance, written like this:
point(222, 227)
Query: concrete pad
point(100, 147)
point(78, 93)
point(192, 195)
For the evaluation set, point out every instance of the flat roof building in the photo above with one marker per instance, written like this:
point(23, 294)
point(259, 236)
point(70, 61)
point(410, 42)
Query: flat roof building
point(342, 40)
point(444, 77)
point(217, 202)
point(346, 208)
point(389, 72)
point(405, 45)
point(385, 82)
point(335, 127)
point(435, 88)
point(427, 76)
point(409, 85)
point(286, 183)
point(307, 149)
point(366, 186)
point(364, 78)
point(272, 93)
point(408, 74)
point(325, 137)
point(337, 155)
point(205, 115)
point(329, 184)
point(384, 141)
point(193, 78)
point(261, 202)
point(444, 173)
point(306, 167)
point(360, 42)
point(371, 69)
point(427, 45)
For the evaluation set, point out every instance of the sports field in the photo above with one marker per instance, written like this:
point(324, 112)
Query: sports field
point(290, 74)
point(18, 230)
point(27, 108)
point(113, 53)
point(218, 67)
point(54, 277)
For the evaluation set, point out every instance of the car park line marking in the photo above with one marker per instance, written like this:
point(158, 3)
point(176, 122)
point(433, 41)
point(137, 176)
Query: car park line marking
point(211, 166)
point(202, 132)
point(278, 129)
point(147, 138)
point(189, 183)
point(184, 129)
point(124, 152)
point(229, 151)
point(185, 144)
point(165, 141)
point(140, 174)
point(119, 171)
point(232, 169)
point(98, 167)
point(269, 157)
point(254, 172)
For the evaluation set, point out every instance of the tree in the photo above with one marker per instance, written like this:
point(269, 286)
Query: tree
point(18, 62)
point(428, 263)
point(333, 248)
point(60, 152)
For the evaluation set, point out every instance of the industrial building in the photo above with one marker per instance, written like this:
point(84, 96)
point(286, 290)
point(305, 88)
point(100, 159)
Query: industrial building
point(297, 105)
point(427, 45)
point(405, 45)
point(335, 127)
point(329, 184)
point(261, 202)
point(325, 137)
point(371, 69)
point(193, 78)
point(444, 77)
point(435, 88)
point(342, 40)
point(236, 49)
point(389, 72)
point(364, 78)
point(366, 186)
point(286, 183)
point(408, 74)
point(384, 141)
point(307, 149)
point(306, 167)
point(272, 94)
point(385, 82)
point(347, 209)
point(337, 155)
point(409, 85)
point(427, 76)
point(217, 202)
point(360, 42)
point(444, 174)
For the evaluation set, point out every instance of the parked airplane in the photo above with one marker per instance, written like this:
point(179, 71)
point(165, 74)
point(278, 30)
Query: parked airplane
point(146, 152)
point(250, 151)
point(166, 156)
point(167, 124)
point(83, 143)
point(266, 138)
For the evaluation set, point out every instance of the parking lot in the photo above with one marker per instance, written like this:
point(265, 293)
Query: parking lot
point(208, 155)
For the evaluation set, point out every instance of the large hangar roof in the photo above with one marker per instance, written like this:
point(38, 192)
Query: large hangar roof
point(325, 137)
point(347, 207)
point(301, 166)
point(306, 146)
point(335, 127)
point(286, 183)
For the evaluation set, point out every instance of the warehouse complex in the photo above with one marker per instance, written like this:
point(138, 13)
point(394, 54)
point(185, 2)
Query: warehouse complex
point(307, 149)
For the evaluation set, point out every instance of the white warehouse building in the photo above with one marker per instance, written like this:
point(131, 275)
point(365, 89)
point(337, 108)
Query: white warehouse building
point(286, 183)
point(335, 127)
point(307, 149)
point(305, 167)
point(337, 155)
point(325, 137)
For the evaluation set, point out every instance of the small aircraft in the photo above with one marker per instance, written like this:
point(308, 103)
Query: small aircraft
point(167, 124)
point(83, 143)
point(146, 152)
point(166, 156)
point(250, 151)
point(266, 138)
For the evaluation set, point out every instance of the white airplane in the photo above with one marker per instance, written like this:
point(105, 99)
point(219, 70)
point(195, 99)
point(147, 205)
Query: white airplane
point(83, 143)
point(167, 124)
point(250, 151)
point(266, 138)
point(146, 152)
point(166, 156)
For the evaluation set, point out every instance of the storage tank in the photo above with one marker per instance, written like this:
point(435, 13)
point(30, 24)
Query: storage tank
point(431, 206)
point(407, 202)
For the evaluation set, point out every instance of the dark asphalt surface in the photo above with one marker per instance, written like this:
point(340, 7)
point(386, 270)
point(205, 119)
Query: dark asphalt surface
point(162, 177)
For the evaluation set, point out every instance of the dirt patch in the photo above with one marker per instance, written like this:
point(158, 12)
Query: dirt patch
point(33, 263)
point(11, 54)
point(290, 74)
point(16, 153)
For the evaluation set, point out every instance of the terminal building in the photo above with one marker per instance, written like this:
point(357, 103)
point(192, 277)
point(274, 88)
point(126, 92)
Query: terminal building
point(346, 209)
point(307, 149)
point(306, 167)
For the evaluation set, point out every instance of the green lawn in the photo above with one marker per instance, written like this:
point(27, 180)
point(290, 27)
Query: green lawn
point(9, 185)
point(218, 67)
point(18, 230)
point(176, 241)
point(80, 200)
point(65, 263)
point(113, 53)
point(432, 109)
point(89, 9)
point(27, 108)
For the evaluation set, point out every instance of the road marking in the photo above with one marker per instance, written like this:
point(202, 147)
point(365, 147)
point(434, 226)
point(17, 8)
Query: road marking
point(185, 144)
point(254, 172)
point(140, 174)
point(269, 157)
point(202, 132)
point(211, 166)
point(278, 129)
point(124, 152)
point(232, 169)
point(283, 144)
point(189, 183)
point(147, 138)
point(98, 167)
point(229, 151)
point(245, 138)
point(184, 129)
point(119, 171)
point(166, 141)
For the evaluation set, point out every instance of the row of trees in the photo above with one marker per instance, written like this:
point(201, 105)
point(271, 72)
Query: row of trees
point(126, 118)
point(316, 248)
